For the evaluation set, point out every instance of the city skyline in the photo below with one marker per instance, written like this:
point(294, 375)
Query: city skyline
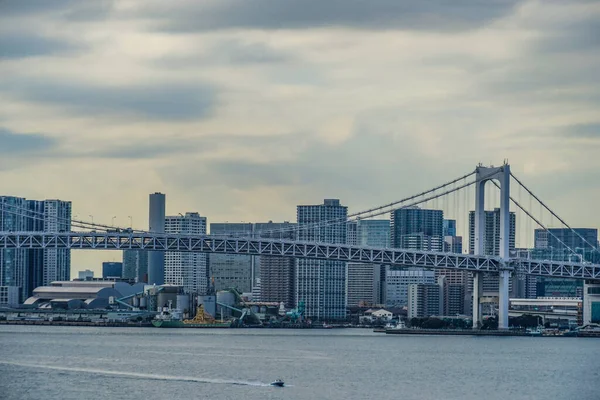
point(241, 110)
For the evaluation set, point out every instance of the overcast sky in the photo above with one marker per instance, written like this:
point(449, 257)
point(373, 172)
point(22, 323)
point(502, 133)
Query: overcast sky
point(240, 110)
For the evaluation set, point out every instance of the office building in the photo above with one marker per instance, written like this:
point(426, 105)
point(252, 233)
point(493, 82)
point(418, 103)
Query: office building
point(321, 284)
point(583, 241)
point(449, 227)
point(135, 265)
point(232, 270)
point(398, 281)
point(25, 268)
point(14, 271)
point(156, 259)
point(558, 244)
point(417, 229)
point(277, 274)
point(186, 269)
point(424, 300)
point(112, 270)
point(9, 296)
point(365, 284)
point(591, 302)
point(85, 275)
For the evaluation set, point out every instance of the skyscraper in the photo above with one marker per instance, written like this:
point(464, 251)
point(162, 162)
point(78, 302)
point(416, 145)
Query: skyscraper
point(277, 274)
point(156, 259)
point(57, 262)
point(417, 229)
point(189, 270)
point(322, 284)
point(232, 270)
point(29, 269)
point(14, 263)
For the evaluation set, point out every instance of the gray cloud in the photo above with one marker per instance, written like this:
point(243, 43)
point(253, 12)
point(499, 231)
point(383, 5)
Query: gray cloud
point(72, 10)
point(21, 45)
point(575, 36)
point(582, 131)
point(438, 15)
point(163, 101)
point(12, 143)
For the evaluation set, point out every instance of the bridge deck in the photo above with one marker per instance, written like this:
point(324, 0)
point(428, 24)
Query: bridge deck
point(286, 248)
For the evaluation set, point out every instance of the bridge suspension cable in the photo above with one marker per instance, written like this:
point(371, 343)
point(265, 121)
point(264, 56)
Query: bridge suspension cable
point(373, 212)
point(593, 247)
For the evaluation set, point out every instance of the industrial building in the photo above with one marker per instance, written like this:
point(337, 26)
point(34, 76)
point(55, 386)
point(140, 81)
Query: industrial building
point(80, 294)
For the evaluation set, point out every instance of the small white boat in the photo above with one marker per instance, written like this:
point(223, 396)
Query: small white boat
point(278, 383)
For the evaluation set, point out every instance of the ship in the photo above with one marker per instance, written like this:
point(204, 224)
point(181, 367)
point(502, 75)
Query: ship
point(201, 320)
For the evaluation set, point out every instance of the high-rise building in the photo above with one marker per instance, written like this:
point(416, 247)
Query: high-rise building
point(558, 244)
point(491, 245)
point(156, 259)
point(135, 265)
point(373, 232)
point(232, 270)
point(449, 227)
point(582, 241)
point(14, 263)
point(365, 284)
point(321, 284)
point(424, 300)
point(28, 269)
point(189, 270)
point(398, 281)
point(491, 237)
point(277, 274)
point(111, 270)
point(417, 229)
point(57, 262)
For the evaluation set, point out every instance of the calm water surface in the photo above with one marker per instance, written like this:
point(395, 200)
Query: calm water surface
point(139, 363)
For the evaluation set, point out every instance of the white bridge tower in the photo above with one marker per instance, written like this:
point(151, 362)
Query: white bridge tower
point(502, 175)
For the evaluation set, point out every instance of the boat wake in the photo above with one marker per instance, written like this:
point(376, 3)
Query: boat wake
point(139, 375)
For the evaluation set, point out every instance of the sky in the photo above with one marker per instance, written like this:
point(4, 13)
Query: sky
point(240, 110)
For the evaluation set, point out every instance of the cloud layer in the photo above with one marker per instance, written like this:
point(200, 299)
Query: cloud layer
point(241, 110)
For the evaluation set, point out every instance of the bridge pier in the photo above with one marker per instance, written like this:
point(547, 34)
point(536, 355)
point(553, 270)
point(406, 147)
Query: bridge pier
point(503, 296)
point(502, 175)
point(476, 303)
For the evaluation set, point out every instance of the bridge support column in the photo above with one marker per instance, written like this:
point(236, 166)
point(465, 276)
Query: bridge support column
point(504, 280)
point(502, 175)
point(476, 304)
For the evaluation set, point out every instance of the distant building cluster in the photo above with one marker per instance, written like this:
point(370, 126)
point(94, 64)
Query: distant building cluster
point(327, 290)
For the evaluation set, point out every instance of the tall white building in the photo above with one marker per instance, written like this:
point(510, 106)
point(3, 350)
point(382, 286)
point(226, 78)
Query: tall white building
point(183, 268)
point(322, 284)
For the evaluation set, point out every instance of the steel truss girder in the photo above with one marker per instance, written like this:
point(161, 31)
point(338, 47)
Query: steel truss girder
point(557, 268)
point(308, 250)
point(271, 247)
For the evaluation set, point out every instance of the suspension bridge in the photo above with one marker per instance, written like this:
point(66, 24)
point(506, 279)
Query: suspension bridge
point(505, 263)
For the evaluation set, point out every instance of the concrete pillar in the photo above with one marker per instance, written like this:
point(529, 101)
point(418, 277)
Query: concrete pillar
point(503, 294)
point(476, 304)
